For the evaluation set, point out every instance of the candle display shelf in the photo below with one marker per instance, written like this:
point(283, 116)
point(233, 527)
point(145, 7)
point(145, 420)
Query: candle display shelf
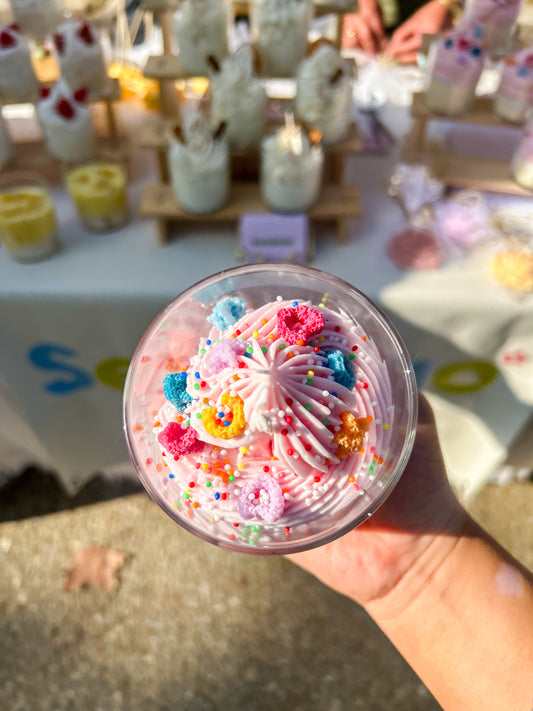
point(457, 171)
point(336, 205)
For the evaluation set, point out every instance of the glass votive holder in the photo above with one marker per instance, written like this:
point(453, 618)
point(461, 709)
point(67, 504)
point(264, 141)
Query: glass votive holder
point(98, 191)
point(28, 227)
point(201, 30)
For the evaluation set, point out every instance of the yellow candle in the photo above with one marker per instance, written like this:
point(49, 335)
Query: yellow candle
point(99, 193)
point(27, 222)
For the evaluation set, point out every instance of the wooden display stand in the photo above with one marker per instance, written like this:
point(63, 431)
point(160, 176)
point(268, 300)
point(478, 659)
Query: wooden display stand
point(337, 203)
point(455, 170)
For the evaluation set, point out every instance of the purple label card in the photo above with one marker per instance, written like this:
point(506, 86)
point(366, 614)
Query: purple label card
point(274, 238)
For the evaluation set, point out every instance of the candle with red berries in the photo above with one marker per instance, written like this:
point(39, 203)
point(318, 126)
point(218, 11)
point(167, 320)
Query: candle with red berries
point(17, 77)
point(81, 57)
point(67, 124)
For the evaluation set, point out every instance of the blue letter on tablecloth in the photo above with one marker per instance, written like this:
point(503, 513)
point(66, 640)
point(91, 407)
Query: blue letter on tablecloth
point(43, 356)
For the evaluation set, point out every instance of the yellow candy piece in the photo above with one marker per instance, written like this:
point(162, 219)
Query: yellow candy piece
point(238, 424)
point(351, 434)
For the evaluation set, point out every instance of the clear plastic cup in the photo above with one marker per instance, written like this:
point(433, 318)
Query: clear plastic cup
point(216, 493)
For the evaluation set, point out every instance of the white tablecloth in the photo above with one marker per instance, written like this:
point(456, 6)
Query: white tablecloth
point(69, 326)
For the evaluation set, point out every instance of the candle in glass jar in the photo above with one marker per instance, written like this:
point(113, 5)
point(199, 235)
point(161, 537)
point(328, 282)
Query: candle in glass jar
point(81, 57)
point(514, 95)
point(17, 77)
point(324, 87)
point(238, 98)
point(291, 169)
point(279, 30)
point(201, 29)
point(99, 193)
point(455, 63)
point(67, 124)
point(199, 166)
point(27, 219)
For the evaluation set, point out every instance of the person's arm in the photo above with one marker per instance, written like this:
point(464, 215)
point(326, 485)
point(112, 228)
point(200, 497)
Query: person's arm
point(454, 603)
point(463, 619)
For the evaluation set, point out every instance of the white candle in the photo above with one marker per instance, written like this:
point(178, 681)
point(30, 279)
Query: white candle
point(81, 57)
point(201, 29)
point(238, 97)
point(37, 18)
point(280, 29)
point(199, 167)
point(291, 169)
point(67, 124)
point(324, 87)
point(17, 77)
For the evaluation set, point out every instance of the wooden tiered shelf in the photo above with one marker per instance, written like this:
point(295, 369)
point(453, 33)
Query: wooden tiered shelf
point(455, 170)
point(337, 204)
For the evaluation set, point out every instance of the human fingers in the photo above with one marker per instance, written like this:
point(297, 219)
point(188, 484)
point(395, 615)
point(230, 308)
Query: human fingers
point(402, 34)
point(362, 36)
point(409, 46)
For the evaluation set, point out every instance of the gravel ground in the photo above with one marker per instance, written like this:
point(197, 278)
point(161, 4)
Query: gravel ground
point(190, 627)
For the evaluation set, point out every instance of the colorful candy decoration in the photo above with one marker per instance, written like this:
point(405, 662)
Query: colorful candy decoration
point(175, 390)
point(226, 313)
point(224, 355)
point(261, 497)
point(297, 324)
point(179, 440)
point(351, 434)
point(342, 370)
point(228, 422)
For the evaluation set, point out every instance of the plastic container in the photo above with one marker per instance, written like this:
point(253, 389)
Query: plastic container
point(497, 20)
point(99, 192)
point(28, 227)
point(212, 492)
point(455, 63)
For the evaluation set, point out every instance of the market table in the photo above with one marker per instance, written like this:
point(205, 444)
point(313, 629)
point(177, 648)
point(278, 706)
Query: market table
point(70, 325)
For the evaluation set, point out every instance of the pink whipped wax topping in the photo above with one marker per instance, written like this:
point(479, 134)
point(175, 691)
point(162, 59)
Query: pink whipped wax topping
point(283, 414)
point(460, 56)
point(516, 81)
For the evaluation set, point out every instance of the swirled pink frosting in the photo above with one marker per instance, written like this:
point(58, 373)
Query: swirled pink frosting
point(293, 407)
